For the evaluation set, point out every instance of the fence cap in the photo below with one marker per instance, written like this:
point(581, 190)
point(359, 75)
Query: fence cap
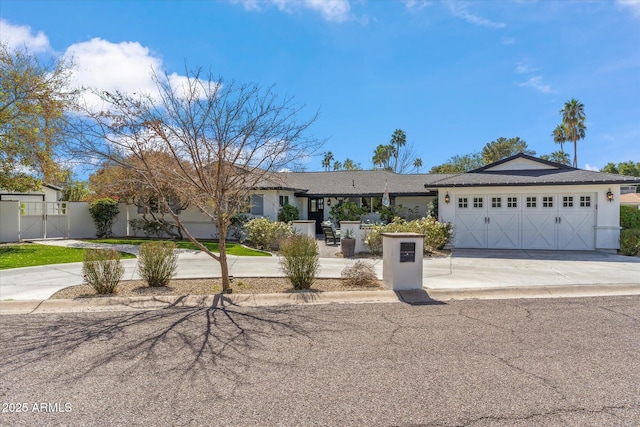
point(402, 235)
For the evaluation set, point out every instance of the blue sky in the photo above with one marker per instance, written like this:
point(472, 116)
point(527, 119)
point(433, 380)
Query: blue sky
point(453, 75)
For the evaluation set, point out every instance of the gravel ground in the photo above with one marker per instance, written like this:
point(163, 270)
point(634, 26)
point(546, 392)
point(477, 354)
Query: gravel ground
point(255, 285)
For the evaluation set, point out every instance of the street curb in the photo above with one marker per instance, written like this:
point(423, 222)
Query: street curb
point(107, 304)
point(427, 296)
point(554, 291)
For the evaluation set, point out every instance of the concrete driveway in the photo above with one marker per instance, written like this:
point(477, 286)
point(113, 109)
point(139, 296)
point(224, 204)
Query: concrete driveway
point(464, 271)
point(482, 268)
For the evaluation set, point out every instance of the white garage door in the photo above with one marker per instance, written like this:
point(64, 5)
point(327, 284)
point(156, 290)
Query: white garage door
point(531, 221)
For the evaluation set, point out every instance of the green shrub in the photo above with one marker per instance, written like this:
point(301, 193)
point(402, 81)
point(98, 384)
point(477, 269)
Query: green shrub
point(288, 213)
point(266, 234)
point(629, 217)
point(104, 213)
point(157, 262)
point(630, 242)
point(388, 213)
point(436, 234)
point(102, 269)
point(360, 274)
point(237, 227)
point(346, 211)
point(299, 260)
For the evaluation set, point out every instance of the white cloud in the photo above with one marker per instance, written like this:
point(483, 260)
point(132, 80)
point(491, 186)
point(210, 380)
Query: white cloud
point(414, 5)
point(536, 83)
point(508, 41)
point(523, 68)
point(330, 10)
point(107, 66)
point(588, 167)
point(460, 10)
point(633, 5)
point(21, 36)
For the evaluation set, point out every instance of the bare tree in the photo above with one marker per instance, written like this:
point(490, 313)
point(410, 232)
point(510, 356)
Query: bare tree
point(223, 139)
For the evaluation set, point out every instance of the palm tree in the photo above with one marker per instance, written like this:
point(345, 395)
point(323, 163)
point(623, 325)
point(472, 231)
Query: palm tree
point(326, 162)
point(417, 163)
point(398, 139)
point(559, 136)
point(573, 121)
point(382, 156)
point(558, 157)
point(350, 165)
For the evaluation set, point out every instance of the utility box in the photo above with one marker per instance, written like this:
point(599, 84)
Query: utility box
point(402, 260)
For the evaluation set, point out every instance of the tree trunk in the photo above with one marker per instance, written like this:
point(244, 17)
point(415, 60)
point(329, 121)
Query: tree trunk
point(222, 247)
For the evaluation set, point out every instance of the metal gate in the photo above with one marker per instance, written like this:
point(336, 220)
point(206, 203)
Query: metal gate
point(44, 220)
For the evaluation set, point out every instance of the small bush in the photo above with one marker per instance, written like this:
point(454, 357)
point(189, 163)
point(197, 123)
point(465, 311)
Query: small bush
point(630, 242)
point(104, 213)
point(157, 262)
point(436, 234)
point(360, 274)
point(629, 217)
point(102, 269)
point(266, 234)
point(288, 213)
point(299, 260)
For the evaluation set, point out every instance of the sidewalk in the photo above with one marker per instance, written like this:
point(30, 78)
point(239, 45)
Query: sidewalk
point(465, 274)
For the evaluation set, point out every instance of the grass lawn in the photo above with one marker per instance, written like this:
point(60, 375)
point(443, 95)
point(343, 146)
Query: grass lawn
point(232, 248)
point(32, 254)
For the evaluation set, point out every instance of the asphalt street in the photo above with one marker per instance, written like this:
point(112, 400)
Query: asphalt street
point(462, 363)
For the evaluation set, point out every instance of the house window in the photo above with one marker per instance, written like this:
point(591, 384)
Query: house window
point(547, 201)
point(257, 204)
point(477, 202)
point(532, 201)
point(585, 201)
point(496, 202)
point(463, 202)
point(284, 200)
point(512, 202)
point(567, 201)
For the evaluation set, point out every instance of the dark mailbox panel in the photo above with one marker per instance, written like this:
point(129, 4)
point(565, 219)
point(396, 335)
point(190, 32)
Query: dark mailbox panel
point(407, 252)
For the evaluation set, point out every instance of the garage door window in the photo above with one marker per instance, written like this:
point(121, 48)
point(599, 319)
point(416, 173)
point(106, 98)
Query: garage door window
point(547, 201)
point(477, 202)
point(532, 201)
point(585, 201)
point(496, 202)
point(512, 202)
point(567, 201)
point(463, 202)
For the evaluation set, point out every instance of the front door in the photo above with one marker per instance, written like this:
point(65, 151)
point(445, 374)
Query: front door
point(316, 212)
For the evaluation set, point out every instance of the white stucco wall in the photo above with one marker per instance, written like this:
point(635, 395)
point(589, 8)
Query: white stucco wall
point(9, 221)
point(80, 222)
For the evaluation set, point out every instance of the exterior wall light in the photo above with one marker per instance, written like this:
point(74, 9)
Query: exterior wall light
point(328, 202)
point(447, 199)
point(609, 196)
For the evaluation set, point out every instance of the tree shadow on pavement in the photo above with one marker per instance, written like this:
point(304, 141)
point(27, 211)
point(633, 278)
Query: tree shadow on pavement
point(219, 344)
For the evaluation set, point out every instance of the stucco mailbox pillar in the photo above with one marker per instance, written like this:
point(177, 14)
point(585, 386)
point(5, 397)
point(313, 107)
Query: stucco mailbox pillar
point(305, 227)
point(402, 260)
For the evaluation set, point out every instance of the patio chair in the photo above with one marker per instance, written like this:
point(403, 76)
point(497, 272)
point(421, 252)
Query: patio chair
point(330, 232)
